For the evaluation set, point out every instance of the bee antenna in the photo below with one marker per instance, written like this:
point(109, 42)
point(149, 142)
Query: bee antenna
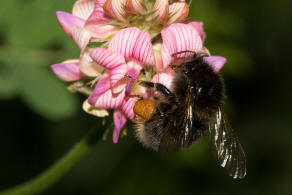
point(185, 51)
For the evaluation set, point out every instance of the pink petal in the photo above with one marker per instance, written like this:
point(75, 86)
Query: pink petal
point(136, 6)
point(80, 36)
point(217, 62)
point(119, 122)
point(131, 42)
point(99, 31)
point(102, 85)
point(124, 41)
point(134, 68)
point(143, 49)
point(88, 66)
point(118, 73)
point(158, 60)
point(119, 86)
point(179, 37)
point(108, 100)
point(157, 55)
point(107, 58)
point(98, 14)
point(83, 8)
point(127, 107)
point(98, 23)
point(100, 2)
point(67, 21)
point(166, 77)
point(159, 11)
point(115, 9)
point(199, 26)
point(67, 71)
point(178, 11)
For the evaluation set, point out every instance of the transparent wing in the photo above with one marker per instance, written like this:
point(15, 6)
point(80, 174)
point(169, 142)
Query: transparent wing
point(228, 149)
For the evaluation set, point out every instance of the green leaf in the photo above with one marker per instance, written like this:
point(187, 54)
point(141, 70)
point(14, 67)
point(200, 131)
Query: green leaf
point(43, 92)
point(7, 87)
point(7, 83)
point(34, 23)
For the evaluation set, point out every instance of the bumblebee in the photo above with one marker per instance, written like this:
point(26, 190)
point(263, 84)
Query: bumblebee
point(189, 110)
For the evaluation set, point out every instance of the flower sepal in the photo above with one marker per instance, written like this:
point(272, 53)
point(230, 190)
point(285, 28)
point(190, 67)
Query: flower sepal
point(94, 111)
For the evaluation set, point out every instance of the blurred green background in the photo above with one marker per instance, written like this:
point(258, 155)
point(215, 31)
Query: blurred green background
point(41, 120)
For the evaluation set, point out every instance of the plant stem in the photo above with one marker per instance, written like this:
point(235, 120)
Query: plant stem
point(60, 168)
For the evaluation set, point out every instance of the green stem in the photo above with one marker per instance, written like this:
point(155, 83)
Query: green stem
point(60, 168)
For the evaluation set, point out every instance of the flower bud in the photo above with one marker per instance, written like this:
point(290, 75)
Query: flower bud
point(178, 11)
point(159, 11)
point(135, 6)
point(115, 9)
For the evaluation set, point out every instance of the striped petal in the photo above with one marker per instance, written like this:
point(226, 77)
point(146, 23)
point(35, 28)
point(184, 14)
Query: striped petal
point(108, 100)
point(80, 36)
point(159, 11)
point(199, 26)
point(124, 41)
point(116, 74)
point(132, 42)
point(107, 58)
point(178, 11)
point(217, 62)
point(135, 6)
point(67, 71)
point(67, 21)
point(102, 85)
point(115, 9)
point(176, 38)
point(143, 49)
point(119, 122)
point(83, 8)
point(127, 107)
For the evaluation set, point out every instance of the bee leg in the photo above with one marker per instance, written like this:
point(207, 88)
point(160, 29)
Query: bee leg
point(185, 51)
point(158, 87)
point(130, 77)
point(135, 96)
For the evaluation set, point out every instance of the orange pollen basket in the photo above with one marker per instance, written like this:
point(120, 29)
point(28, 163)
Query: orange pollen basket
point(145, 108)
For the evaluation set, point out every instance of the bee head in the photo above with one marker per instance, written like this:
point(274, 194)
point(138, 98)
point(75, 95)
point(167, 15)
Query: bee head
point(205, 85)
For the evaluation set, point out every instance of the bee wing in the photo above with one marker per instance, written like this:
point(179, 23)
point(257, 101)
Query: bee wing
point(228, 149)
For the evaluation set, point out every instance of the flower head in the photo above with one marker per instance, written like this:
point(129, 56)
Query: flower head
point(132, 35)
